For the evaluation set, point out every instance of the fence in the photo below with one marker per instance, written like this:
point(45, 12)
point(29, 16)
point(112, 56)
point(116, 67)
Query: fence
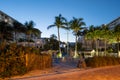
point(38, 61)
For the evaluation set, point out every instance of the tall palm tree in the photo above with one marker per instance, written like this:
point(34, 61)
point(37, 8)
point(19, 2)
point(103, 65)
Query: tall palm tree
point(60, 22)
point(76, 25)
point(68, 29)
point(30, 30)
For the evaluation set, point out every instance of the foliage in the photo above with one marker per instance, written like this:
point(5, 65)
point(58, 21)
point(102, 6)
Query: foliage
point(18, 28)
point(30, 30)
point(5, 31)
point(60, 22)
point(53, 36)
point(79, 46)
point(13, 59)
point(76, 25)
point(102, 61)
point(117, 36)
point(51, 44)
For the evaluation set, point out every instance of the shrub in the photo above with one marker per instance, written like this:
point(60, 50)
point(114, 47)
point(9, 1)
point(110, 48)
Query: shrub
point(99, 61)
point(13, 60)
point(39, 61)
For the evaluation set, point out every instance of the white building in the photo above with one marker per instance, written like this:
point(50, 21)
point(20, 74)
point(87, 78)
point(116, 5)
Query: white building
point(10, 20)
point(38, 41)
point(6, 18)
point(114, 23)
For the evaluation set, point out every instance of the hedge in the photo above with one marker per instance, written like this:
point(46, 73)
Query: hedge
point(99, 61)
point(13, 60)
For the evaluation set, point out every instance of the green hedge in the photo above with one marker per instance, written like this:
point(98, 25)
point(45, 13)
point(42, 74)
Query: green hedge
point(99, 61)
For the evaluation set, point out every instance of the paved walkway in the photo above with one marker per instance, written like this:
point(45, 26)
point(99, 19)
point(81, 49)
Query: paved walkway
point(105, 73)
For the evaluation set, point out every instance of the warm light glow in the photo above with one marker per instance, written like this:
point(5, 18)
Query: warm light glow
point(59, 55)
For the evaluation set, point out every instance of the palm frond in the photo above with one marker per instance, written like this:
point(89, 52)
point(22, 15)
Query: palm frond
point(36, 32)
point(50, 26)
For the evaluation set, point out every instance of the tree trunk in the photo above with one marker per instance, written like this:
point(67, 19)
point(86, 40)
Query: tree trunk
point(60, 54)
point(96, 48)
point(118, 50)
point(93, 44)
point(76, 53)
point(105, 47)
point(86, 44)
point(67, 43)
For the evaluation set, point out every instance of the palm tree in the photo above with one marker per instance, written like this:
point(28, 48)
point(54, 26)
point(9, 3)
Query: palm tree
point(30, 30)
point(95, 36)
point(76, 25)
point(60, 22)
point(117, 35)
point(53, 42)
point(18, 28)
point(105, 35)
point(68, 29)
point(91, 29)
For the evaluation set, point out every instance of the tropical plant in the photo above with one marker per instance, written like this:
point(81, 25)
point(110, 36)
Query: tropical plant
point(18, 28)
point(94, 35)
point(53, 36)
point(117, 36)
point(31, 31)
point(105, 35)
point(100, 61)
point(60, 22)
point(76, 25)
point(91, 29)
point(68, 29)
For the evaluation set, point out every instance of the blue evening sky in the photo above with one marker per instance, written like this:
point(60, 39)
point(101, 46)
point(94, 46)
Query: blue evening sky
point(42, 12)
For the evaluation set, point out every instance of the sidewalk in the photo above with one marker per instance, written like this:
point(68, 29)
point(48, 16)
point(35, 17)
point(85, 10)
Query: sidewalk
point(103, 73)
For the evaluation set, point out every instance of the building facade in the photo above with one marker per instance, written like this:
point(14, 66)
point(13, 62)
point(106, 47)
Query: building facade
point(6, 18)
point(37, 39)
point(89, 44)
point(114, 23)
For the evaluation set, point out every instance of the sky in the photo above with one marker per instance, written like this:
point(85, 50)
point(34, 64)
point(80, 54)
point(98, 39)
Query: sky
point(43, 12)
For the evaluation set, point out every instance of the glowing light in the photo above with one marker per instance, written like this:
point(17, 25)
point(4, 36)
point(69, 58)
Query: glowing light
point(59, 55)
